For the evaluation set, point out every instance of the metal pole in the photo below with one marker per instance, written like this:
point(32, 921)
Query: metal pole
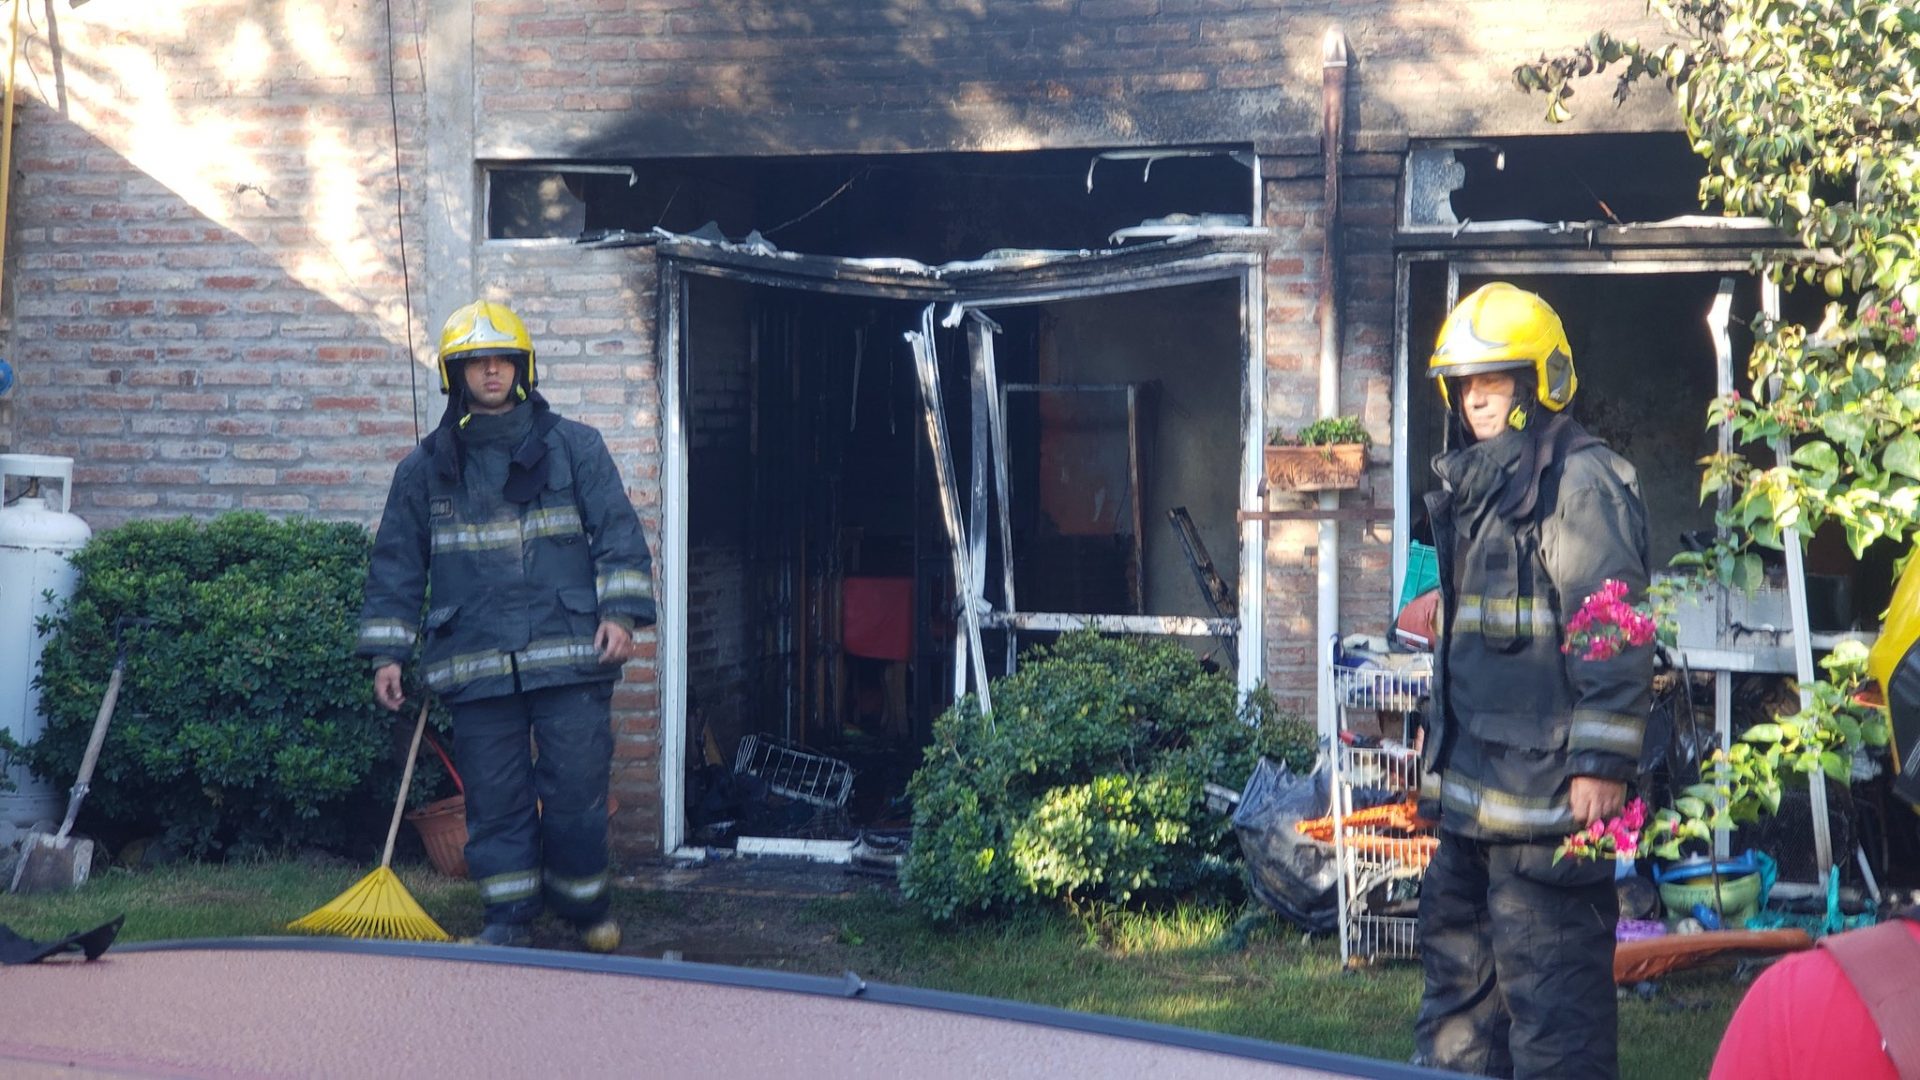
point(1802, 628)
point(1333, 100)
point(1717, 318)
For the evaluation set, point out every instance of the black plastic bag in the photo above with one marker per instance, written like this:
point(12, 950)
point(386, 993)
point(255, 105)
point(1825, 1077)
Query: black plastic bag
point(1291, 873)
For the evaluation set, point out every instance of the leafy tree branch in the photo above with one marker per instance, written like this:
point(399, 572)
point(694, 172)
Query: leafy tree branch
point(1806, 112)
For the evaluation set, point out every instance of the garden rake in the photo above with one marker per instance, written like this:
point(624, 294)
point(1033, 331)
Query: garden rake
point(378, 905)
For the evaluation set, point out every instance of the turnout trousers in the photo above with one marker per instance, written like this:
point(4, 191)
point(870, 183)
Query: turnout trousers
point(1518, 961)
point(536, 765)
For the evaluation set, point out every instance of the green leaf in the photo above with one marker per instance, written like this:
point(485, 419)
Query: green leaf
point(1847, 429)
point(1817, 456)
point(1902, 456)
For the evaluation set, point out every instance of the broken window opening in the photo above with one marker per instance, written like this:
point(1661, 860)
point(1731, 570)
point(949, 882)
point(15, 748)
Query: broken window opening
point(1534, 181)
point(931, 208)
point(823, 611)
point(537, 202)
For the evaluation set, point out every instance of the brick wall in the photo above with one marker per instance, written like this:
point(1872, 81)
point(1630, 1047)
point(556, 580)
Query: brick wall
point(205, 284)
point(700, 77)
point(1295, 195)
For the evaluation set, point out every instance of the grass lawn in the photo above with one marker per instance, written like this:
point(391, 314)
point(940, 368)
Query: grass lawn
point(1167, 968)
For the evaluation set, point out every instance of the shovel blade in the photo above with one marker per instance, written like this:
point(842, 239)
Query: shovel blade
point(52, 864)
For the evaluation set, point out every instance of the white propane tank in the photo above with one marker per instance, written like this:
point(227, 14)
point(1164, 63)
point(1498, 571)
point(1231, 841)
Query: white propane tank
point(37, 538)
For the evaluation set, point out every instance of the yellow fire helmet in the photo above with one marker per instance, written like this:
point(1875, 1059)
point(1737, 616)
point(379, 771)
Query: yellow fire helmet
point(1501, 327)
point(484, 328)
point(1894, 663)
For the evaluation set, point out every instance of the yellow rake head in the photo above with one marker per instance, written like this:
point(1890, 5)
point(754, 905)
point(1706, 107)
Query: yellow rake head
point(377, 906)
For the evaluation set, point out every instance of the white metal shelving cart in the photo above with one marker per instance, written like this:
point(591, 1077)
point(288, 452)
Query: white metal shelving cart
point(1380, 845)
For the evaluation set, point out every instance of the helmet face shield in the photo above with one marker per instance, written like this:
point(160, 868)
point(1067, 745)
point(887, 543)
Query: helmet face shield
point(1499, 327)
point(485, 328)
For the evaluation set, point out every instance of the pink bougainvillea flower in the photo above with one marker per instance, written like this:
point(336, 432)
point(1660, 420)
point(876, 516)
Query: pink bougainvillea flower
point(1617, 837)
point(1606, 625)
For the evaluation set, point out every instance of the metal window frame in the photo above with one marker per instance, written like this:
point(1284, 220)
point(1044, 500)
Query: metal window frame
point(1542, 260)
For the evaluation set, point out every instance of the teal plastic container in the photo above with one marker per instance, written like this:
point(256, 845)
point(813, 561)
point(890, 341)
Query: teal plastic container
point(1423, 572)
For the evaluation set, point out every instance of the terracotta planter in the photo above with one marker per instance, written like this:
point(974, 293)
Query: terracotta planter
point(443, 832)
point(1316, 468)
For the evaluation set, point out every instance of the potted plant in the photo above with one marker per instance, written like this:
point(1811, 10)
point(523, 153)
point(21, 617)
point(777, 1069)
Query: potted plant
point(1326, 455)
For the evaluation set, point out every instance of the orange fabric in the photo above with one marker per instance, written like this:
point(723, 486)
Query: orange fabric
point(1403, 816)
point(1414, 851)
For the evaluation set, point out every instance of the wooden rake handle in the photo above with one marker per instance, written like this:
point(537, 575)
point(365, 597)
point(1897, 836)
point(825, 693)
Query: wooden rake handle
point(406, 782)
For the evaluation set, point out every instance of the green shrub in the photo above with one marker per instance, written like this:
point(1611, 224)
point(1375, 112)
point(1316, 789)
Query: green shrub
point(1088, 785)
point(244, 722)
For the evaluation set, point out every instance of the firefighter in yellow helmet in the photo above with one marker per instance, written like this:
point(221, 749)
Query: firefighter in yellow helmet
point(1532, 516)
point(484, 328)
point(510, 557)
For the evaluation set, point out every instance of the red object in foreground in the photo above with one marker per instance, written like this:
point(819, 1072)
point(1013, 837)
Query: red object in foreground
point(1803, 1018)
point(357, 1008)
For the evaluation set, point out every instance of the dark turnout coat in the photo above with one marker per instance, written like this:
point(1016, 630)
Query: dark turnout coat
point(1527, 526)
point(505, 562)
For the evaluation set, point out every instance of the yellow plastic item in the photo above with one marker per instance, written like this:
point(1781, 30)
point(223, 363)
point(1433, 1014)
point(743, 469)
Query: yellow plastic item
point(1501, 327)
point(378, 905)
point(485, 328)
point(1894, 663)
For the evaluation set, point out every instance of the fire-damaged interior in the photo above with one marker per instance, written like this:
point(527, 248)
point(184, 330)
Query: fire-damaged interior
point(821, 573)
point(1030, 371)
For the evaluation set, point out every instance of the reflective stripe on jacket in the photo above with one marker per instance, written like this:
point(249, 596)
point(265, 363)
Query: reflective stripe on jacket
point(1515, 718)
point(506, 587)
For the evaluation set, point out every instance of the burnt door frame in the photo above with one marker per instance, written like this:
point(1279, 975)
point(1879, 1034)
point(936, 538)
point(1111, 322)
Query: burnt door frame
point(967, 290)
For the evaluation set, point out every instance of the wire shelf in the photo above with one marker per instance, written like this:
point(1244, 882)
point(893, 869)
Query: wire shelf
point(1381, 689)
point(1381, 844)
point(1373, 938)
point(799, 774)
point(1388, 766)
